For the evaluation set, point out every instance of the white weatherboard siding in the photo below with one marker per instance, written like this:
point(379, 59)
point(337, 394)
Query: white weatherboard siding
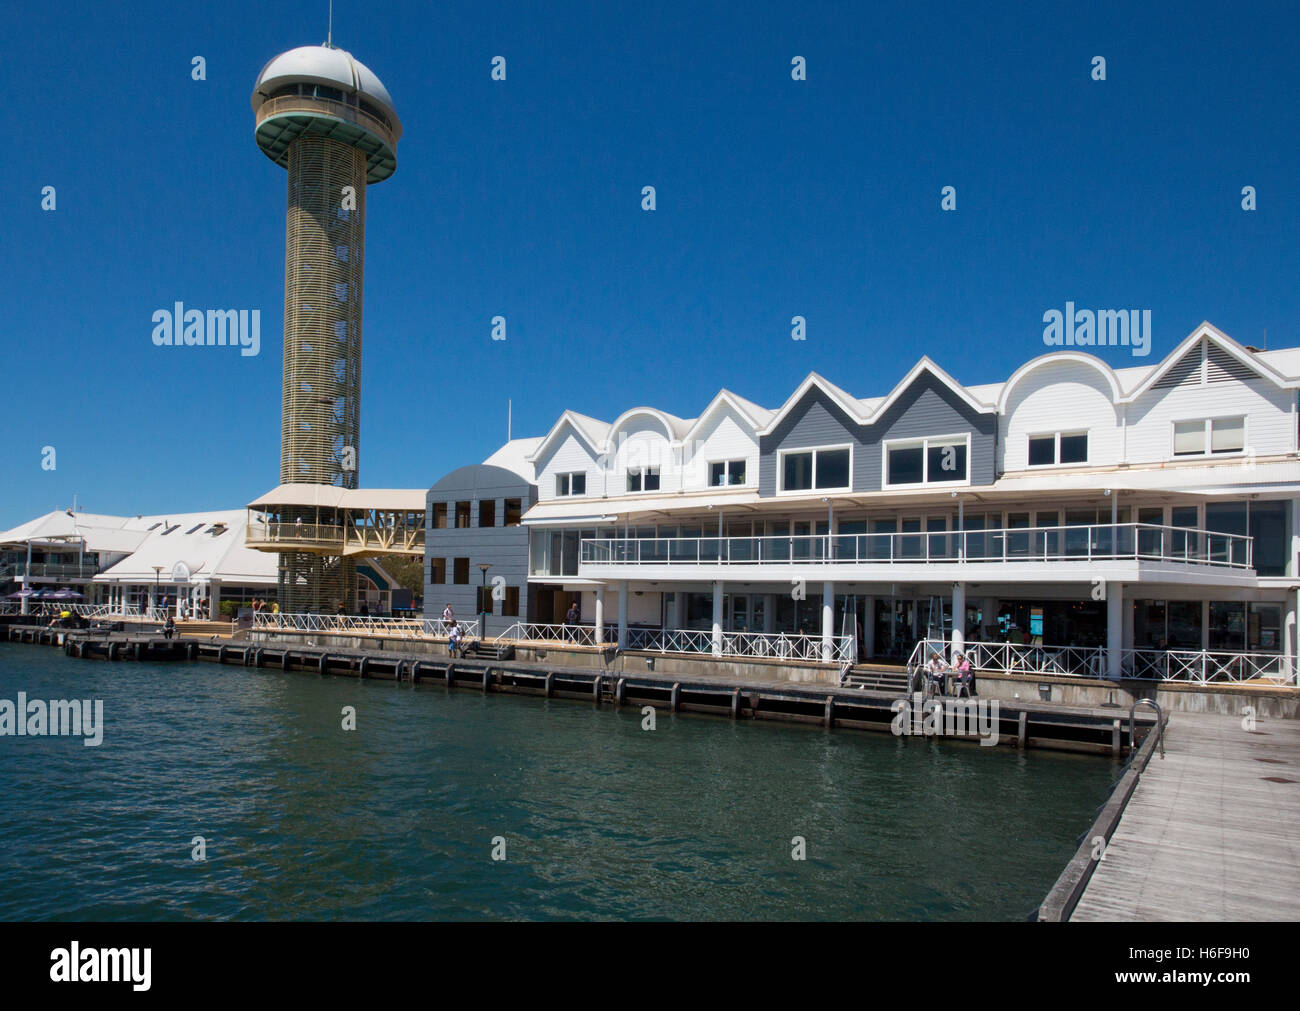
point(1065, 396)
point(570, 455)
point(639, 444)
point(1270, 426)
point(726, 437)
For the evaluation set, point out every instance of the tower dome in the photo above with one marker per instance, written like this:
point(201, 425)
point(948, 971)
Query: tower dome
point(326, 91)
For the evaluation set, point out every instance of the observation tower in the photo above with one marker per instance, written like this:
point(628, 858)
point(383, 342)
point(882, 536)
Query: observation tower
point(327, 119)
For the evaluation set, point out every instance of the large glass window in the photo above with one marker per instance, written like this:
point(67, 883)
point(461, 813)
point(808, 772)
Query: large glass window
point(462, 515)
point(437, 570)
point(487, 512)
point(927, 461)
point(815, 468)
point(906, 465)
point(460, 570)
point(797, 472)
point(1269, 523)
point(514, 512)
point(440, 516)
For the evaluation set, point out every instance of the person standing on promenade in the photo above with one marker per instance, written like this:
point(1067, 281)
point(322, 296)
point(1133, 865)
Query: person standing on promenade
point(448, 616)
point(571, 621)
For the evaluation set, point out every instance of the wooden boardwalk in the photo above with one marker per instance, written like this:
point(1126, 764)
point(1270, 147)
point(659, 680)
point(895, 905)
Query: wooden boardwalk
point(1212, 832)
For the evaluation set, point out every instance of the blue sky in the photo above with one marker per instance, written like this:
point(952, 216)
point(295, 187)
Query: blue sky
point(522, 198)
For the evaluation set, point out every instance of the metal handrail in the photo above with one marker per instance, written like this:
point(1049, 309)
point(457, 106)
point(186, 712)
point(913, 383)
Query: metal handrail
point(1160, 723)
point(1064, 543)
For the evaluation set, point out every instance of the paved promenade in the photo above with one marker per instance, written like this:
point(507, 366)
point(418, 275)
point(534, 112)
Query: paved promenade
point(1212, 832)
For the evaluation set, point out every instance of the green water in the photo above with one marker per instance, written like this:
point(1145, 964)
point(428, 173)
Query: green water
point(600, 818)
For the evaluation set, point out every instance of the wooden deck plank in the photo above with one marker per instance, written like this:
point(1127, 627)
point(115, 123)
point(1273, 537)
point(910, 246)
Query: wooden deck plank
point(1205, 835)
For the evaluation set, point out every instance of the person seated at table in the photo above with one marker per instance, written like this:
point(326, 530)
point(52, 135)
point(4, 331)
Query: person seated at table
point(936, 673)
point(965, 676)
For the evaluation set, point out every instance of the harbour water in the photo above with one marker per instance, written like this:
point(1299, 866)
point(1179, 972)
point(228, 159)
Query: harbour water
point(598, 818)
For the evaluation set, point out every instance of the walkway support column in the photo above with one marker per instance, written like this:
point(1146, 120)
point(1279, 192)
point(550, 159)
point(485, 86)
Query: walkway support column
point(958, 620)
point(717, 618)
point(989, 616)
point(828, 621)
point(1291, 638)
point(868, 615)
point(622, 614)
point(1114, 628)
point(600, 615)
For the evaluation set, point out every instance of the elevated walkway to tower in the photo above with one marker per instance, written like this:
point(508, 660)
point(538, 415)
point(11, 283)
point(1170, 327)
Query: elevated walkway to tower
point(328, 520)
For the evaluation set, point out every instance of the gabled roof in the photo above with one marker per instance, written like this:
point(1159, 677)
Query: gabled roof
point(756, 417)
point(837, 396)
point(1208, 332)
point(868, 412)
point(926, 365)
point(591, 430)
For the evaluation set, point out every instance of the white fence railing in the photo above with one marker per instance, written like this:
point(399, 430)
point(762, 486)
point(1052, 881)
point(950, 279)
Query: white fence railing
point(756, 645)
point(570, 635)
point(347, 624)
point(761, 645)
point(1189, 666)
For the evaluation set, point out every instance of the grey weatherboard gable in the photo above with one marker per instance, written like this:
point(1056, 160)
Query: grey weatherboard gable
point(927, 407)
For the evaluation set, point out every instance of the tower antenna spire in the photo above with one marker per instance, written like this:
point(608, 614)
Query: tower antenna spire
point(329, 38)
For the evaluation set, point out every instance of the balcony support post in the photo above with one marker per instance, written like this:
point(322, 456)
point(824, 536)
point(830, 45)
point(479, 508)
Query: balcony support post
point(1289, 625)
point(600, 616)
point(622, 614)
point(828, 621)
point(958, 620)
point(1114, 629)
point(717, 617)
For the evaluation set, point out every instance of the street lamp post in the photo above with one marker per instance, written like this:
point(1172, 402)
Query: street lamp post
point(157, 569)
point(483, 608)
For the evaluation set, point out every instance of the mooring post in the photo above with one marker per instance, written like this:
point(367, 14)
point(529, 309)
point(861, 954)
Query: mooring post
point(415, 672)
point(487, 678)
point(672, 699)
point(550, 683)
point(1114, 737)
point(1022, 734)
point(619, 691)
point(735, 704)
point(829, 717)
point(323, 663)
point(595, 689)
point(451, 675)
point(361, 670)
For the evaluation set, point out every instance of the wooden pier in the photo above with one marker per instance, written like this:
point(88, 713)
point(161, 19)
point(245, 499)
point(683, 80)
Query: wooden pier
point(1018, 724)
point(1212, 832)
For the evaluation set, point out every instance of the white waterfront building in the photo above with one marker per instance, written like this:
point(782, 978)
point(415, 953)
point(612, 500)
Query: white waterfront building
point(1137, 511)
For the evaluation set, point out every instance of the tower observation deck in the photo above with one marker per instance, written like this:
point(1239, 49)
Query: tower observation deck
point(327, 119)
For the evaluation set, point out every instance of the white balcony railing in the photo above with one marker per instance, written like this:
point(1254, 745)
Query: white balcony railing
point(1096, 542)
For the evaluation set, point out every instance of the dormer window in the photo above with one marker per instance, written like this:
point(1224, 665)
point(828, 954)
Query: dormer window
point(1206, 436)
point(646, 479)
point(939, 460)
point(571, 484)
point(1055, 448)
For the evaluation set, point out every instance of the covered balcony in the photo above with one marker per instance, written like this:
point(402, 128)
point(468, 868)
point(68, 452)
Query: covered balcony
point(1126, 551)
